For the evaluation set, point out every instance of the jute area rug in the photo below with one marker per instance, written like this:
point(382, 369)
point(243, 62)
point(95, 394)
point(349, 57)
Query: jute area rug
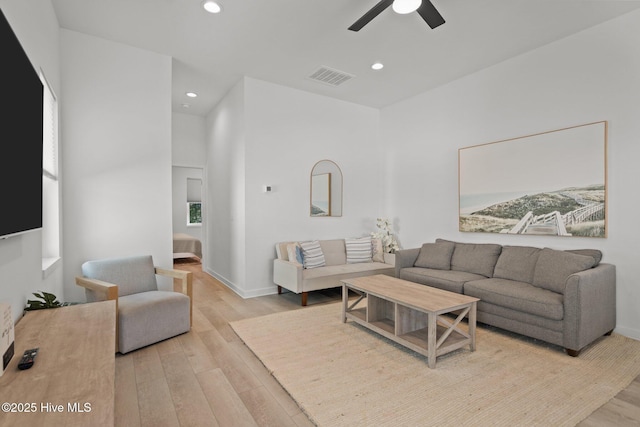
point(344, 375)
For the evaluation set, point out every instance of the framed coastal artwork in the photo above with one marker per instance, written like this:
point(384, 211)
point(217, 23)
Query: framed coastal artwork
point(550, 183)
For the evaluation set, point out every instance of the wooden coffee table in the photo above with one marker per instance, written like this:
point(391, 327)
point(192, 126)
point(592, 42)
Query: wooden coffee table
point(410, 314)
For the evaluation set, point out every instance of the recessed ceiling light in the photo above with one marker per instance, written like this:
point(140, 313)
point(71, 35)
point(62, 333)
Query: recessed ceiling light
point(405, 6)
point(191, 94)
point(377, 66)
point(211, 6)
point(185, 105)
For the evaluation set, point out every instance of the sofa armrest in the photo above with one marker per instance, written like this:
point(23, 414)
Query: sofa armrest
point(288, 275)
point(183, 283)
point(589, 305)
point(406, 258)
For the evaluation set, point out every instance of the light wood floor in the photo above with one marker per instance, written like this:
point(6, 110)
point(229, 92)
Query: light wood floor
point(208, 377)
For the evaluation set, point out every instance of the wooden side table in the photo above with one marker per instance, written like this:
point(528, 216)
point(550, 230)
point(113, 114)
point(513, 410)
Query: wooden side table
point(72, 382)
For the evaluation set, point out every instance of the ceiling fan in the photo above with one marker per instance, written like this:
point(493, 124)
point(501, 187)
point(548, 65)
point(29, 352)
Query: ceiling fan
point(425, 9)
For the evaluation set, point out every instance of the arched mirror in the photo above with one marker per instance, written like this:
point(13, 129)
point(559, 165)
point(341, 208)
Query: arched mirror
point(326, 189)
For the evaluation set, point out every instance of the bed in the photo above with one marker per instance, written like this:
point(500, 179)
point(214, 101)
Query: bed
point(186, 246)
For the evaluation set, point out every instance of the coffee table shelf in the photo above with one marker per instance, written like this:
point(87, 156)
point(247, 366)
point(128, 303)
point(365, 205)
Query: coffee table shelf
point(411, 314)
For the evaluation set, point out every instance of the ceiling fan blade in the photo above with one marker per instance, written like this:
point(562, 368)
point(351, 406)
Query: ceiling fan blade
point(430, 14)
point(372, 13)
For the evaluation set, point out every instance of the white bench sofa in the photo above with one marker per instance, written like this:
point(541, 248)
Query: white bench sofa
point(292, 275)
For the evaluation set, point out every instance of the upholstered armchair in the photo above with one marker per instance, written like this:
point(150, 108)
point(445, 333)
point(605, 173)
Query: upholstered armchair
point(145, 314)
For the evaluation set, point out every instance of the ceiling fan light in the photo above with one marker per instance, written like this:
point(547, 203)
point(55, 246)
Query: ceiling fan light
point(405, 6)
point(211, 6)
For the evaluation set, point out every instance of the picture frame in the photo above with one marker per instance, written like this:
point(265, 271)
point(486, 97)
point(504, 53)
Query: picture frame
point(551, 183)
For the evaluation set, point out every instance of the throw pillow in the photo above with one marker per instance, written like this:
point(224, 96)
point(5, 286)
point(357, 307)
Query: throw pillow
point(299, 256)
point(312, 254)
point(358, 250)
point(378, 252)
point(293, 250)
point(554, 267)
point(435, 255)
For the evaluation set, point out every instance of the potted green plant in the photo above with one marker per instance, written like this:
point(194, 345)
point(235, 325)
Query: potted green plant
point(48, 301)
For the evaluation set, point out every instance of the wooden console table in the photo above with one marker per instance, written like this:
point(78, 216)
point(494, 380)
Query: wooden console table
point(72, 380)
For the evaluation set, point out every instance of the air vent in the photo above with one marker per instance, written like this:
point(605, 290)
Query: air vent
point(330, 77)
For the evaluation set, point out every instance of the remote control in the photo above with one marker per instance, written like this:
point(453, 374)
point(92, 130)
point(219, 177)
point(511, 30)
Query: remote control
point(28, 358)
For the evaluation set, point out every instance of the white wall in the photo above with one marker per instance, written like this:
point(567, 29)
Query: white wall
point(188, 137)
point(224, 191)
point(590, 76)
point(116, 132)
point(36, 26)
point(273, 135)
point(287, 132)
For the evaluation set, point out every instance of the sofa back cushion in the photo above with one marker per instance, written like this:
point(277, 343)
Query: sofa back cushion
point(594, 253)
point(334, 251)
point(517, 263)
point(554, 267)
point(435, 255)
point(281, 250)
point(478, 258)
point(133, 274)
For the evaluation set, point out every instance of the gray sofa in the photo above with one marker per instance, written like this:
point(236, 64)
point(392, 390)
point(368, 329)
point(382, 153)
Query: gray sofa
point(566, 298)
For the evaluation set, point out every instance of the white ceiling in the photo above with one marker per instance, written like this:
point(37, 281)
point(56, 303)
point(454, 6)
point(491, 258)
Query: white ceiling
point(284, 41)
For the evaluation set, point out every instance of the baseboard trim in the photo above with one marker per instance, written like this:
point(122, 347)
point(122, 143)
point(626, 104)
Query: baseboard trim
point(628, 332)
point(272, 290)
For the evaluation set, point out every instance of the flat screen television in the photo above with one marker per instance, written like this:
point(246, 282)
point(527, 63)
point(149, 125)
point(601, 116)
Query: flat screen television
point(21, 128)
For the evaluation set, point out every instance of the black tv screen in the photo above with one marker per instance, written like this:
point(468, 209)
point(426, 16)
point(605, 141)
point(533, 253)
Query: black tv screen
point(21, 123)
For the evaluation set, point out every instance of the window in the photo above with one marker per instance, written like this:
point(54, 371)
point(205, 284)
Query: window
point(195, 213)
point(194, 202)
point(50, 182)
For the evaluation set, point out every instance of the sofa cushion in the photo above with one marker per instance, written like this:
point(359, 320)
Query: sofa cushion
point(477, 258)
point(517, 263)
point(435, 255)
point(553, 267)
point(594, 253)
point(517, 296)
point(358, 250)
point(148, 317)
point(376, 250)
point(452, 281)
point(344, 270)
point(312, 254)
point(334, 251)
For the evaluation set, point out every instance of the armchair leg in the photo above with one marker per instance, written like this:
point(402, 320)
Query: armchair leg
point(304, 298)
point(279, 289)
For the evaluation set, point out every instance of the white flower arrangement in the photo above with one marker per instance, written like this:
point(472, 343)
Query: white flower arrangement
point(385, 234)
